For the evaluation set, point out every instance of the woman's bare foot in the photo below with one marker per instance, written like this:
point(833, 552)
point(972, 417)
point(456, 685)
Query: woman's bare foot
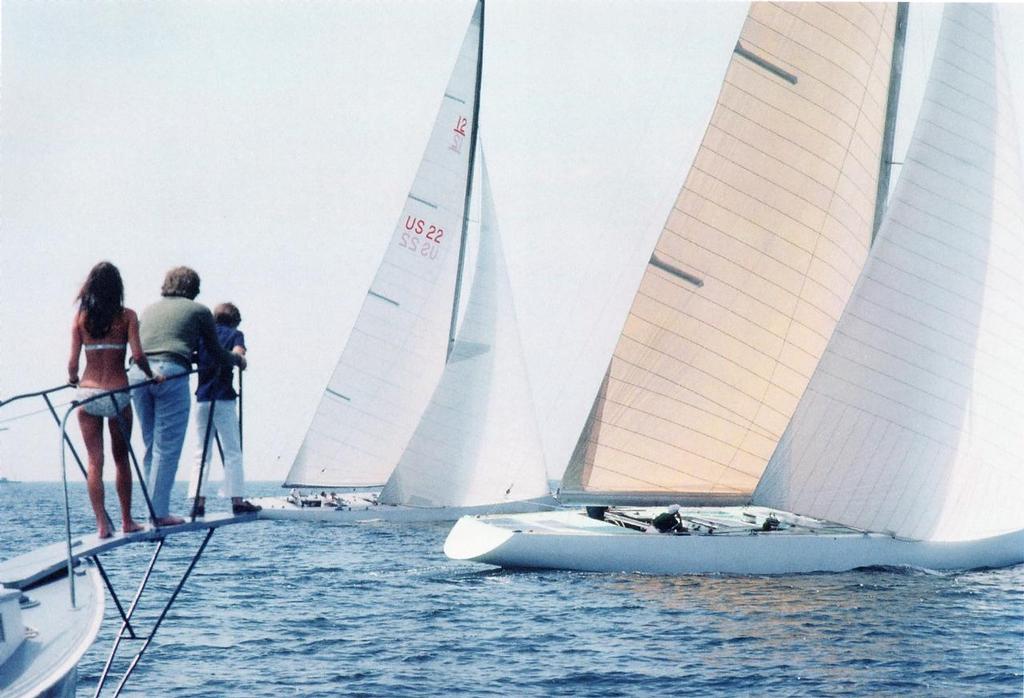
point(169, 521)
point(133, 527)
point(103, 532)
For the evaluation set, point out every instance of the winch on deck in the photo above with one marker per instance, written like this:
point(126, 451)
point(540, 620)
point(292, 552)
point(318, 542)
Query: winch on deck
point(680, 521)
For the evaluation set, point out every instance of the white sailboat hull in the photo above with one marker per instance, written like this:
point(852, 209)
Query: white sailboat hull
point(363, 506)
point(571, 541)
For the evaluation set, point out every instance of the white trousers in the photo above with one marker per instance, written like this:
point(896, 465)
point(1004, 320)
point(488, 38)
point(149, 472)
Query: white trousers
point(225, 425)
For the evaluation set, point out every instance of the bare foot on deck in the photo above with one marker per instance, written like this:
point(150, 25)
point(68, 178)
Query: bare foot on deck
point(133, 527)
point(103, 533)
point(169, 521)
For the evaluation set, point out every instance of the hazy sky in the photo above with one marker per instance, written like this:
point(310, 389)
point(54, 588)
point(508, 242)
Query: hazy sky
point(270, 145)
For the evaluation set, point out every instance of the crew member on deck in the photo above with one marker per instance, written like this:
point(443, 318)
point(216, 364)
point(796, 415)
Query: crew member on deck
point(667, 521)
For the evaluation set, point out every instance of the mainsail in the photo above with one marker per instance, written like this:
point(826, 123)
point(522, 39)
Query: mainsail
point(912, 423)
point(481, 412)
point(396, 350)
point(754, 265)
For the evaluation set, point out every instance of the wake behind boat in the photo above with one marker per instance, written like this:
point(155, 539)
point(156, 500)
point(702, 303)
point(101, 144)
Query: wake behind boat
point(895, 424)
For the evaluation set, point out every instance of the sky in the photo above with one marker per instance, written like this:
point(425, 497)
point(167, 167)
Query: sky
point(270, 145)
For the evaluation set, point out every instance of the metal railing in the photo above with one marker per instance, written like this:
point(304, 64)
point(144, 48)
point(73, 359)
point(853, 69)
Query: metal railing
point(66, 445)
point(125, 436)
point(127, 631)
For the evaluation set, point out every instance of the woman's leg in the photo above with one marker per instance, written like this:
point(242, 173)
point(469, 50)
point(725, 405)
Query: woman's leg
point(119, 449)
point(92, 435)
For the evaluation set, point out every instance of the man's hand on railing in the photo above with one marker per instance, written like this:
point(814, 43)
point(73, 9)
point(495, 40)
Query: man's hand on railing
point(239, 355)
point(73, 379)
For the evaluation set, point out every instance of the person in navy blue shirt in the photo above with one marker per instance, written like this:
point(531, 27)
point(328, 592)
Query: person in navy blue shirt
point(216, 391)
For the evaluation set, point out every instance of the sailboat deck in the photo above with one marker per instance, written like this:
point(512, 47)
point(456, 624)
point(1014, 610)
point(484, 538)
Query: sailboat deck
point(721, 521)
point(28, 569)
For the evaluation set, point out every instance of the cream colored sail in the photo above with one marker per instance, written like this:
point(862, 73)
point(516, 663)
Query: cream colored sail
point(396, 350)
point(913, 423)
point(478, 441)
point(755, 263)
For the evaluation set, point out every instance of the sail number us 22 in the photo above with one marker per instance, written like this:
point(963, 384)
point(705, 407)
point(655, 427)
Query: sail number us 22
point(421, 236)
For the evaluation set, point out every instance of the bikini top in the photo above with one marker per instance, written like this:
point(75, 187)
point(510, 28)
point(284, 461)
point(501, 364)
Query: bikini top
point(91, 347)
point(99, 346)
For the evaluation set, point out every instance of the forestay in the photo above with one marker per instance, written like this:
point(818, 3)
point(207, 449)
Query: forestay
point(396, 350)
point(478, 441)
point(754, 265)
point(912, 422)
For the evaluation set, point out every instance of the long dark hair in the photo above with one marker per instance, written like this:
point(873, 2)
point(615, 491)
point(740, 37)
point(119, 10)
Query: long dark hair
point(101, 299)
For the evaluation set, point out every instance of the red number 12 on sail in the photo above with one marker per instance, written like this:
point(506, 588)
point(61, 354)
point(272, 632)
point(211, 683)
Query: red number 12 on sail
point(458, 134)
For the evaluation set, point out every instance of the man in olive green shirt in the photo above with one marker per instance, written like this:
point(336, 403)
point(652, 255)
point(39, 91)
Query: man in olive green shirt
point(170, 330)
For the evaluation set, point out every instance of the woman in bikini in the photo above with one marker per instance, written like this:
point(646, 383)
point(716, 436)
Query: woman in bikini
point(105, 328)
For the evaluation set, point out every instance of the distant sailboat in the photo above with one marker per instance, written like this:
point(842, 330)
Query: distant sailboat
point(3, 478)
point(413, 406)
point(477, 443)
point(892, 432)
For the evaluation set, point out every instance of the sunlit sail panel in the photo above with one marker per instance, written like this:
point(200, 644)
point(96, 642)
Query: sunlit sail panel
point(478, 441)
point(912, 423)
point(754, 264)
point(396, 350)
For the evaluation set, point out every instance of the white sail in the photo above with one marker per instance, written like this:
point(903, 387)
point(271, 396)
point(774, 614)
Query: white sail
point(754, 265)
point(478, 441)
point(912, 423)
point(396, 350)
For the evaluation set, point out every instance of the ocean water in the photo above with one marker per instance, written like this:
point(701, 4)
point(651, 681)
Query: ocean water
point(289, 608)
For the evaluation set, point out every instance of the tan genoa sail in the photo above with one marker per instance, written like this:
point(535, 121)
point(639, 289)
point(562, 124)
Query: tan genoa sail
point(911, 424)
point(754, 265)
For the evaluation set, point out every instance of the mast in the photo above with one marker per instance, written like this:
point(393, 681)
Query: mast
point(469, 184)
point(889, 134)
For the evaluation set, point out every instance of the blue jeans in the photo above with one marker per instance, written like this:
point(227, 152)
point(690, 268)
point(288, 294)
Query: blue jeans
point(163, 418)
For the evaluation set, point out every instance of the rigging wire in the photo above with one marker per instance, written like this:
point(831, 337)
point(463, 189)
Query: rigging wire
point(26, 415)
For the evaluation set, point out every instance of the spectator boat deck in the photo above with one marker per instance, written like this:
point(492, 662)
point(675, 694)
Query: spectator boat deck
point(32, 567)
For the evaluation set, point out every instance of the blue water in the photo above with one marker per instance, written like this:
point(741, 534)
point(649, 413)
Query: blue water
point(286, 608)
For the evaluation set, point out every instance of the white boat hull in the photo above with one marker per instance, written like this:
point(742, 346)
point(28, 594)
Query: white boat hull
point(356, 507)
point(571, 541)
point(46, 663)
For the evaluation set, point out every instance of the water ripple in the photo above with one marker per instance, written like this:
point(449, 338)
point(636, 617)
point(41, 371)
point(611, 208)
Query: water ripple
point(292, 609)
